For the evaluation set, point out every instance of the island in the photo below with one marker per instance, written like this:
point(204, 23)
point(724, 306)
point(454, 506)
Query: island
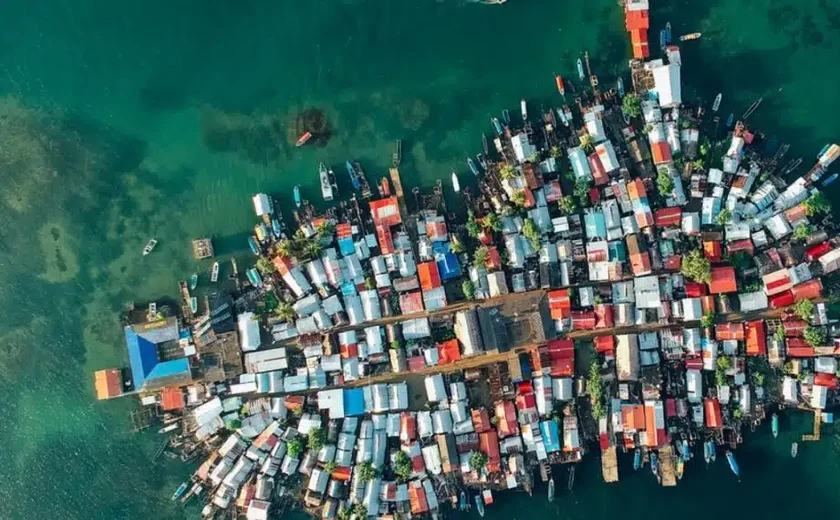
point(634, 275)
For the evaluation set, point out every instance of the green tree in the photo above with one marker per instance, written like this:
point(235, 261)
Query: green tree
point(708, 319)
point(478, 460)
point(473, 228)
point(664, 182)
point(804, 309)
point(587, 142)
point(330, 466)
point(285, 248)
point(555, 152)
point(265, 266)
point(595, 389)
point(530, 232)
point(366, 472)
point(507, 171)
point(370, 283)
point(312, 249)
point(737, 414)
point(492, 222)
point(631, 105)
point(402, 466)
point(697, 267)
point(395, 344)
point(294, 447)
point(518, 198)
point(740, 260)
point(285, 311)
point(359, 509)
point(469, 289)
point(582, 191)
point(779, 334)
point(802, 232)
point(814, 336)
point(698, 164)
point(816, 204)
point(317, 438)
point(456, 246)
point(326, 230)
point(480, 257)
point(724, 216)
point(567, 205)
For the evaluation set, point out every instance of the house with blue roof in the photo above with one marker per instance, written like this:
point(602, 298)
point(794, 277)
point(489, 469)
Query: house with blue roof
point(595, 224)
point(448, 265)
point(551, 435)
point(148, 371)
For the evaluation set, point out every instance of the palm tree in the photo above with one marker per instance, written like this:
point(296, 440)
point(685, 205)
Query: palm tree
point(555, 152)
point(518, 198)
point(491, 221)
point(326, 229)
point(312, 249)
point(265, 266)
point(507, 171)
point(587, 142)
point(285, 248)
point(285, 311)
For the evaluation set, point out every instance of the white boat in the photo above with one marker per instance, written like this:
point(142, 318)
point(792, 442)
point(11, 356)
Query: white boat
point(794, 449)
point(716, 104)
point(551, 490)
point(150, 245)
point(214, 274)
point(455, 184)
point(326, 186)
point(524, 107)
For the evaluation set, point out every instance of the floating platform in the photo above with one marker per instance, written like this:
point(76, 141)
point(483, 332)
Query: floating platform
point(202, 248)
point(609, 464)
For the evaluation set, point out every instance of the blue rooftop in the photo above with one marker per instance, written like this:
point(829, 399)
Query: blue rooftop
point(346, 246)
point(354, 402)
point(144, 362)
point(448, 266)
point(551, 435)
point(596, 225)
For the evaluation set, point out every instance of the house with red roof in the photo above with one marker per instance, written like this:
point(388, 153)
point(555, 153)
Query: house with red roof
point(668, 217)
point(506, 419)
point(723, 280)
point(559, 304)
point(448, 352)
point(712, 250)
point(489, 443)
point(561, 353)
point(756, 338)
point(385, 212)
point(481, 420)
point(429, 275)
point(637, 22)
point(713, 415)
point(729, 331)
point(661, 152)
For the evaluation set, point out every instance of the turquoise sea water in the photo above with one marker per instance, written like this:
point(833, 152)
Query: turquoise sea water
point(122, 121)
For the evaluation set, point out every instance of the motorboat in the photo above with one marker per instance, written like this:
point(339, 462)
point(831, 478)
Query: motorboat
point(150, 246)
point(561, 87)
point(456, 186)
point(297, 196)
point(716, 104)
point(690, 36)
point(214, 274)
point(193, 281)
point(306, 136)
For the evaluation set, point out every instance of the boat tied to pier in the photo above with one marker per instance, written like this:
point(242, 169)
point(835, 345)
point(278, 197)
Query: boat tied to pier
point(497, 126)
point(716, 104)
point(150, 246)
point(193, 281)
point(456, 186)
point(479, 505)
point(297, 196)
point(254, 245)
point(733, 464)
point(775, 425)
point(523, 106)
point(180, 491)
point(214, 274)
point(619, 86)
point(506, 116)
point(193, 304)
point(581, 73)
point(396, 157)
point(326, 185)
point(473, 167)
point(551, 489)
point(561, 87)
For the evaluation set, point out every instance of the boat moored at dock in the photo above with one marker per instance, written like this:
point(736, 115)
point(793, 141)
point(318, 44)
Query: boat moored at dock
point(326, 185)
point(497, 126)
point(473, 167)
point(456, 186)
point(523, 106)
point(297, 196)
point(214, 274)
point(581, 73)
point(551, 489)
point(479, 505)
point(180, 491)
point(716, 104)
point(561, 87)
point(619, 85)
point(193, 281)
point(637, 459)
point(733, 464)
point(775, 425)
point(254, 245)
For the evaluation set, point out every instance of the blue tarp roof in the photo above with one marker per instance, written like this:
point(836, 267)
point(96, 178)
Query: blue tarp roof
point(143, 359)
point(551, 435)
point(348, 288)
point(448, 266)
point(354, 402)
point(595, 225)
point(346, 246)
point(617, 251)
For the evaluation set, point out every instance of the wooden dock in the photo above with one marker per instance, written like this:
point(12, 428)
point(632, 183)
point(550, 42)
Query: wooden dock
point(815, 436)
point(609, 464)
point(667, 465)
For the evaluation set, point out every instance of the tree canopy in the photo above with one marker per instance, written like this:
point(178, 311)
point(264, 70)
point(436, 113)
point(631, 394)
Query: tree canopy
point(294, 447)
point(664, 182)
point(366, 471)
point(507, 171)
point(724, 216)
point(317, 438)
point(567, 205)
point(802, 232)
point(492, 222)
point(480, 256)
point(530, 232)
point(587, 142)
point(816, 204)
point(697, 267)
point(478, 460)
point(631, 105)
point(814, 336)
point(804, 309)
point(518, 198)
point(402, 466)
point(469, 289)
point(473, 228)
